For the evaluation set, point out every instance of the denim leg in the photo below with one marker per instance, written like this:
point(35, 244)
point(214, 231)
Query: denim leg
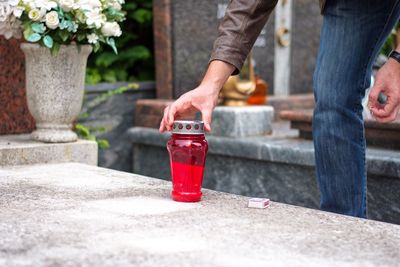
point(352, 33)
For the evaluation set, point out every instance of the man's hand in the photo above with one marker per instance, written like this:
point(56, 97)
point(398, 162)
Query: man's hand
point(201, 99)
point(388, 82)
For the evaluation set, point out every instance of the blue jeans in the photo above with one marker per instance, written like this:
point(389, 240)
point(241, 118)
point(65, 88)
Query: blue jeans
point(352, 34)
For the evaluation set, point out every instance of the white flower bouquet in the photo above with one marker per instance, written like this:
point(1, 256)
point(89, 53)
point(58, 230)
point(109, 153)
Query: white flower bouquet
point(52, 23)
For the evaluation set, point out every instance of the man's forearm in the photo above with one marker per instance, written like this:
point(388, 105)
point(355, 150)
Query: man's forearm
point(217, 74)
point(243, 22)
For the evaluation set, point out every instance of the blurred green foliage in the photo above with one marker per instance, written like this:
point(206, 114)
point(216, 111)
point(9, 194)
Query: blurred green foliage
point(90, 133)
point(134, 62)
point(390, 43)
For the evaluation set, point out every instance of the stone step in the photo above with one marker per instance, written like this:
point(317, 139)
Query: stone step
point(149, 112)
point(80, 215)
point(21, 150)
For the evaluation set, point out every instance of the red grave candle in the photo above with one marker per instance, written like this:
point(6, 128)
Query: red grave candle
point(187, 149)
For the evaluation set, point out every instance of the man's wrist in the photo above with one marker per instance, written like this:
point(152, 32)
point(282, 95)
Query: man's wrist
point(212, 86)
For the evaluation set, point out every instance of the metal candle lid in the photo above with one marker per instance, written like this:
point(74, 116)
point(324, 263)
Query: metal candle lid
point(188, 127)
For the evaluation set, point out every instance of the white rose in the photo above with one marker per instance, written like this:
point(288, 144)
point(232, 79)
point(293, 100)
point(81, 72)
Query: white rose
point(116, 5)
point(35, 14)
point(47, 4)
point(18, 12)
point(67, 5)
point(13, 2)
point(5, 10)
point(52, 20)
point(92, 5)
point(111, 29)
point(94, 19)
point(92, 38)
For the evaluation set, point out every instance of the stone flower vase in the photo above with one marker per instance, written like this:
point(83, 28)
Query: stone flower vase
point(54, 89)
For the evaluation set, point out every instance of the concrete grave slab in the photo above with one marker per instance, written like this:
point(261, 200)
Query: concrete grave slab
point(136, 224)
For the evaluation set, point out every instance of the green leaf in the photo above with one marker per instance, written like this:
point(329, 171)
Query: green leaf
point(142, 15)
point(60, 12)
point(103, 143)
point(82, 130)
point(93, 76)
point(122, 75)
point(64, 35)
point(27, 32)
point(96, 47)
point(63, 24)
point(48, 41)
point(130, 6)
point(69, 17)
point(54, 50)
point(80, 37)
point(111, 42)
point(110, 76)
point(106, 59)
point(34, 37)
point(38, 27)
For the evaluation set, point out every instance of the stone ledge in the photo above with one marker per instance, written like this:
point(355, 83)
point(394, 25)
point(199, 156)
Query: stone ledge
point(275, 148)
point(21, 150)
point(80, 215)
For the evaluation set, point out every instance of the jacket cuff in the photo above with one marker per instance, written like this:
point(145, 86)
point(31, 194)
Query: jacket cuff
point(231, 55)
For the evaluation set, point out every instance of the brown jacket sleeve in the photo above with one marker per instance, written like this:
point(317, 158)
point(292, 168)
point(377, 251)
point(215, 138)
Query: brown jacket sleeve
point(243, 22)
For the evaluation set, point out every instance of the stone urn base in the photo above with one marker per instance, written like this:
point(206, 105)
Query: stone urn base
point(51, 133)
point(54, 88)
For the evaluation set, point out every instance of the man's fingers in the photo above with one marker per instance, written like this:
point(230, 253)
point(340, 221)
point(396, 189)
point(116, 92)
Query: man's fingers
point(374, 95)
point(207, 116)
point(391, 117)
point(163, 125)
point(382, 111)
point(171, 115)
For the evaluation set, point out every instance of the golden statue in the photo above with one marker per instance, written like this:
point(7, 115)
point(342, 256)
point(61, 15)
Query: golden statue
point(238, 88)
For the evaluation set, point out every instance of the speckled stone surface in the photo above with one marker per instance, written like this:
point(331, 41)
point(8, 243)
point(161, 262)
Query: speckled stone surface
point(80, 215)
point(279, 166)
point(15, 117)
point(21, 150)
point(242, 121)
point(55, 87)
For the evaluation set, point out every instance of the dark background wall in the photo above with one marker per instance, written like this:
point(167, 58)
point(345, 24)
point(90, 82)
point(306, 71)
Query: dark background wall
point(194, 29)
point(116, 115)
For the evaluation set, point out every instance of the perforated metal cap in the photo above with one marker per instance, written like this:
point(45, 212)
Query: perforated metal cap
point(188, 127)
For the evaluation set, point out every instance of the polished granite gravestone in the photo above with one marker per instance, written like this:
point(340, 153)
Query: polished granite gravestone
point(15, 117)
point(81, 215)
point(186, 29)
point(280, 167)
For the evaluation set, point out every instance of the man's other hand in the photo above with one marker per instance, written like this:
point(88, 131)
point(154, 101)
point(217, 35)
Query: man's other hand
point(388, 82)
